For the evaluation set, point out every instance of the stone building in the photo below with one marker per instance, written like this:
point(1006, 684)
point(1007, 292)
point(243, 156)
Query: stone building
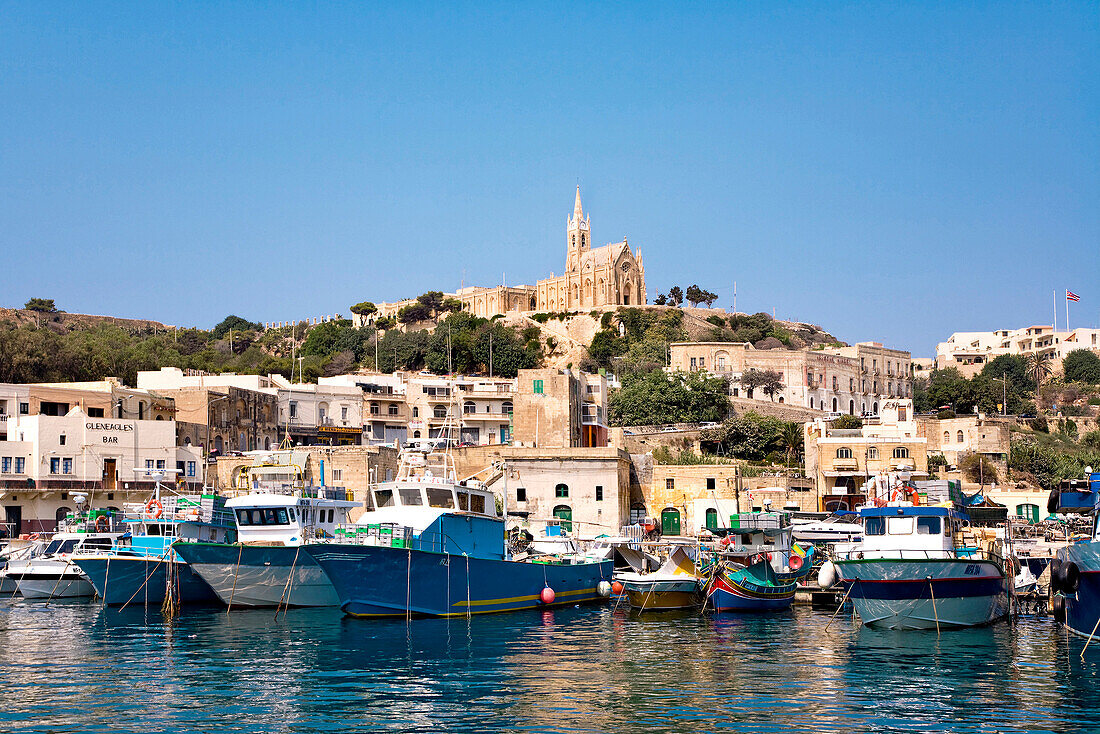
point(560, 409)
point(853, 380)
point(953, 438)
point(841, 461)
point(221, 419)
point(480, 407)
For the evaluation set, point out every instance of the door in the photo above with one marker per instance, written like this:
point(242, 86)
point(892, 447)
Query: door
point(13, 520)
point(565, 514)
point(670, 521)
point(712, 519)
point(109, 474)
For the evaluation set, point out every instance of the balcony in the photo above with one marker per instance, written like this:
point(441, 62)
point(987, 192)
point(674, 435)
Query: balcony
point(495, 417)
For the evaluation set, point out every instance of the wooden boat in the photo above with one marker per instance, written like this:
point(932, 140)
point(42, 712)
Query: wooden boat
point(675, 585)
point(757, 568)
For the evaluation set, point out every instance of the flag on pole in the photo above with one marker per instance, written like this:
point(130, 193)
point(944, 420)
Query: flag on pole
point(1071, 296)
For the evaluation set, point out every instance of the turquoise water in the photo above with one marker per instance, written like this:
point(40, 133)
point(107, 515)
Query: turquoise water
point(82, 667)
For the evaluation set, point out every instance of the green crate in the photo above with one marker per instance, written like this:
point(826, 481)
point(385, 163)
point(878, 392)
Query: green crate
point(398, 543)
point(735, 521)
point(374, 526)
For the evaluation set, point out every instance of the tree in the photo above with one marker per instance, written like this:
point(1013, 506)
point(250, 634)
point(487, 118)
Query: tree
point(848, 422)
point(1038, 368)
point(661, 299)
point(364, 309)
point(659, 398)
point(43, 305)
point(675, 296)
point(767, 381)
point(452, 304)
point(414, 312)
point(947, 387)
point(978, 468)
point(385, 322)
point(236, 323)
point(1082, 365)
point(697, 295)
point(433, 300)
point(791, 439)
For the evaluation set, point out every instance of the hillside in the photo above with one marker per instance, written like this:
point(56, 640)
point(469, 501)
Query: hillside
point(63, 322)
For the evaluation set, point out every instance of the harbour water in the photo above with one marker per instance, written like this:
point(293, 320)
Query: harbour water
point(79, 666)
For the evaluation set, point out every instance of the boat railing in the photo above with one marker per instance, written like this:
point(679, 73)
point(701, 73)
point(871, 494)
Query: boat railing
point(394, 535)
point(917, 554)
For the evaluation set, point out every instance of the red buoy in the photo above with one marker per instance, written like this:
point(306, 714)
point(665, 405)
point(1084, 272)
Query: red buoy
point(617, 588)
point(547, 595)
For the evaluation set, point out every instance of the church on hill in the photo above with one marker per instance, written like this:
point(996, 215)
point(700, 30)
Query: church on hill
point(611, 275)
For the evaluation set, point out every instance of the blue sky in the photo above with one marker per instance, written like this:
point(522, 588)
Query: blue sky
point(891, 171)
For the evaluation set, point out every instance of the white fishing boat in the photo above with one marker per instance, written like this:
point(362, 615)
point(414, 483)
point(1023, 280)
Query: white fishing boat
point(17, 550)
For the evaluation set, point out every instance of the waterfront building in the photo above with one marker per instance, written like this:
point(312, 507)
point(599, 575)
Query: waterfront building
point(385, 409)
point(482, 407)
point(45, 459)
point(561, 409)
point(854, 380)
point(105, 398)
point(840, 461)
point(954, 438)
point(970, 351)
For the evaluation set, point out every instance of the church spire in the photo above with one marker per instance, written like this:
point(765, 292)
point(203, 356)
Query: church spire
point(577, 212)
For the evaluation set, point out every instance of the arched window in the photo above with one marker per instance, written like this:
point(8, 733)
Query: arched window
point(872, 453)
point(416, 434)
point(781, 399)
point(61, 514)
point(637, 513)
point(561, 490)
point(375, 408)
point(506, 407)
point(218, 445)
point(851, 407)
point(187, 441)
point(947, 436)
point(267, 443)
point(901, 453)
point(440, 411)
point(468, 407)
point(834, 405)
point(874, 408)
point(811, 403)
point(416, 412)
point(960, 437)
point(574, 242)
point(844, 453)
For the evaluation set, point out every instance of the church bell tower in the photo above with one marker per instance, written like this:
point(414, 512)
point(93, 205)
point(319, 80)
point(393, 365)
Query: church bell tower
point(578, 237)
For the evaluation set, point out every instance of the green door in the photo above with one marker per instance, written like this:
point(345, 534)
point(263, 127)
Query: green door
point(712, 519)
point(670, 521)
point(565, 514)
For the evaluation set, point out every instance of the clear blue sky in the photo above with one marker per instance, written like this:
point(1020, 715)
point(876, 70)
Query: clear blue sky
point(891, 171)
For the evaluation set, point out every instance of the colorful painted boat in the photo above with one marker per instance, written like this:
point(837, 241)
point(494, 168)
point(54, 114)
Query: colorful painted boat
point(675, 585)
point(1075, 570)
point(912, 570)
point(757, 568)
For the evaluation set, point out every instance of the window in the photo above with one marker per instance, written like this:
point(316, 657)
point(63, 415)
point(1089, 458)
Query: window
point(946, 436)
point(506, 407)
point(844, 453)
point(243, 517)
point(440, 411)
point(599, 493)
point(5, 465)
point(160, 463)
point(416, 412)
point(468, 407)
point(20, 464)
point(343, 413)
point(959, 437)
point(928, 526)
point(693, 362)
point(383, 498)
point(410, 496)
point(711, 484)
point(439, 497)
point(392, 409)
point(670, 483)
point(637, 513)
point(66, 466)
point(337, 475)
point(293, 409)
point(55, 465)
point(61, 440)
point(536, 387)
point(874, 526)
point(464, 500)
point(375, 409)
point(901, 453)
point(149, 463)
point(24, 408)
point(190, 468)
point(872, 453)
point(95, 412)
point(561, 491)
point(899, 525)
point(477, 503)
point(521, 494)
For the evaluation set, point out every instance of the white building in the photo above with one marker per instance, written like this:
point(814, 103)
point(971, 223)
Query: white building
point(970, 351)
point(47, 459)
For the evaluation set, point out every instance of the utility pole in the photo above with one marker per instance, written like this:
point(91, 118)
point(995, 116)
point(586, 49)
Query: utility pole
point(735, 296)
point(1004, 393)
point(490, 354)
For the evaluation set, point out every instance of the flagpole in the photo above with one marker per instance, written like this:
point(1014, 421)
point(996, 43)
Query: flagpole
point(1055, 310)
point(1067, 311)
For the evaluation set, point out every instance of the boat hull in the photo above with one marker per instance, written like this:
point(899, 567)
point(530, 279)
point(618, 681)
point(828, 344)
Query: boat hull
point(1083, 606)
point(657, 595)
point(379, 581)
point(927, 593)
point(122, 580)
point(741, 591)
point(259, 575)
point(70, 585)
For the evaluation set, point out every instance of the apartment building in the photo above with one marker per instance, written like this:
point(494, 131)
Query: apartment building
point(481, 407)
point(854, 380)
point(385, 410)
point(970, 351)
point(561, 409)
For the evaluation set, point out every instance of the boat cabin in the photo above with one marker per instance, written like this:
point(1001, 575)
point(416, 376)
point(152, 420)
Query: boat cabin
point(751, 533)
point(903, 530)
point(288, 519)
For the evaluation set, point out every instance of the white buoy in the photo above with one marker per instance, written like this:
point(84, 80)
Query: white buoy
point(604, 589)
point(826, 576)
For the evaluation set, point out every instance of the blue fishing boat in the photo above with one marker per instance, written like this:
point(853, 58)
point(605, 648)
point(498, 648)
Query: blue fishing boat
point(432, 546)
point(141, 568)
point(1075, 570)
point(757, 568)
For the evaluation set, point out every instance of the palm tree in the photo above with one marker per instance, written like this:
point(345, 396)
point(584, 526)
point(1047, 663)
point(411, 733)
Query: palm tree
point(790, 438)
point(1039, 369)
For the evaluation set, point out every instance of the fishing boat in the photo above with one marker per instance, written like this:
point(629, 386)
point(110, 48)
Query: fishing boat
point(915, 568)
point(675, 585)
point(756, 566)
point(434, 546)
point(18, 550)
point(142, 568)
point(1075, 570)
point(276, 511)
point(53, 575)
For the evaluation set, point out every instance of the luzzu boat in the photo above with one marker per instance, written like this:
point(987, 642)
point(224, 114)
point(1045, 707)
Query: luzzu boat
point(276, 512)
point(757, 568)
point(142, 568)
point(675, 585)
point(913, 570)
point(1075, 570)
point(432, 546)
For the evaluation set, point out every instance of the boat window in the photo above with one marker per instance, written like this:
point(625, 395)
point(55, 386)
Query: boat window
point(928, 526)
point(875, 526)
point(383, 498)
point(257, 517)
point(464, 500)
point(331, 515)
point(242, 517)
point(477, 503)
point(899, 525)
point(53, 547)
point(96, 543)
point(410, 496)
point(438, 497)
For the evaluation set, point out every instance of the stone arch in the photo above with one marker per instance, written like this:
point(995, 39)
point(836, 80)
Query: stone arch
point(588, 296)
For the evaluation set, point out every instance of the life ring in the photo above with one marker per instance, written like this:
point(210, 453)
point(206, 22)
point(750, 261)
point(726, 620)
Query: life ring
point(101, 527)
point(795, 562)
point(149, 509)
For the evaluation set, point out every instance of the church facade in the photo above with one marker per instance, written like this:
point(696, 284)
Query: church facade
point(612, 275)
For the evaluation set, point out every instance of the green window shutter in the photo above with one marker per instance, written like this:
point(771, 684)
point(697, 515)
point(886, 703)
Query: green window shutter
point(538, 387)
